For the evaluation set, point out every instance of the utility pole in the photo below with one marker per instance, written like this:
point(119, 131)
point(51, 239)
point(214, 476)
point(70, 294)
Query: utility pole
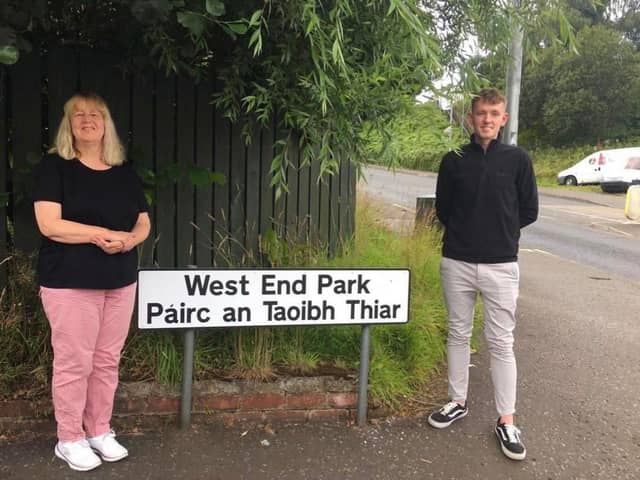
point(514, 80)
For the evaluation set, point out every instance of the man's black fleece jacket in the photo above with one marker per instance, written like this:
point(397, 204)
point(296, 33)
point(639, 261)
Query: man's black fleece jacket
point(483, 200)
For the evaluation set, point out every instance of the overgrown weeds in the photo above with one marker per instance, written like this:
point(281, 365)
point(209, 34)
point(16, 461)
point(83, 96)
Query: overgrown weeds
point(403, 356)
point(25, 346)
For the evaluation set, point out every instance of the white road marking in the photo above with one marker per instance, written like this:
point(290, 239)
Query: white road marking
point(589, 215)
point(537, 250)
point(403, 207)
point(613, 229)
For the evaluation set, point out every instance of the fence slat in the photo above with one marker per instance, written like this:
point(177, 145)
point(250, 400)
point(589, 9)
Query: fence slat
point(314, 202)
point(165, 160)
point(185, 156)
point(26, 142)
point(4, 163)
point(237, 186)
point(140, 149)
point(292, 195)
point(344, 202)
point(205, 134)
point(253, 194)
point(266, 190)
point(324, 211)
point(304, 190)
point(222, 150)
point(353, 180)
point(61, 84)
point(334, 213)
point(279, 201)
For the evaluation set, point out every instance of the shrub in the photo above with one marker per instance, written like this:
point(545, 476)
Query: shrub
point(419, 138)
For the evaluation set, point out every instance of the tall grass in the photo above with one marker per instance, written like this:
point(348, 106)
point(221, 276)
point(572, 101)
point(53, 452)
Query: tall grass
point(403, 356)
point(25, 345)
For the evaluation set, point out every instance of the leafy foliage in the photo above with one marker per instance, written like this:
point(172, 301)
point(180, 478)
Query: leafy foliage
point(586, 97)
point(325, 70)
point(630, 26)
point(419, 136)
point(581, 91)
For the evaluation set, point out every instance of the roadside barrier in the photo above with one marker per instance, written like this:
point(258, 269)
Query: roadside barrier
point(632, 203)
point(426, 211)
point(231, 298)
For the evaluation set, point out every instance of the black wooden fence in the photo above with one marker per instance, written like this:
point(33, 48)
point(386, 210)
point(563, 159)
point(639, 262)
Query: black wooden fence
point(165, 121)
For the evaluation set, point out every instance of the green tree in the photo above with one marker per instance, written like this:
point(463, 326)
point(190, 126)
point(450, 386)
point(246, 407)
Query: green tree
point(536, 79)
point(586, 97)
point(420, 135)
point(629, 24)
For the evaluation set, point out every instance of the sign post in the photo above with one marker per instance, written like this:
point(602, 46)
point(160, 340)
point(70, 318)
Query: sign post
point(187, 377)
point(230, 298)
point(363, 379)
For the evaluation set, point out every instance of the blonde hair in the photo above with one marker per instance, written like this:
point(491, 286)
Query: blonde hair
point(64, 145)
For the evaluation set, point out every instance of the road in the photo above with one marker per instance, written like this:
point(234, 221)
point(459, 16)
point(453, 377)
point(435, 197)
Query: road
point(577, 337)
point(586, 227)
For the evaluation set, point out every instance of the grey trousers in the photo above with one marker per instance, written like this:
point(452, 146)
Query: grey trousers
point(497, 283)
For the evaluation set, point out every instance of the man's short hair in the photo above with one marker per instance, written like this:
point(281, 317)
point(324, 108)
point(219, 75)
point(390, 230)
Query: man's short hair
point(491, 96)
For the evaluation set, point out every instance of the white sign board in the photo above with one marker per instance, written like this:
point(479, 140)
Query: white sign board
point(251, 298)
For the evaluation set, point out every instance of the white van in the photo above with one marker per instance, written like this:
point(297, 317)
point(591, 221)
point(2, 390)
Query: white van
point(591, 168)
point(618, 177)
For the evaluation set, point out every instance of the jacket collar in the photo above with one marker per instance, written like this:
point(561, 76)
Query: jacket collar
point(475, 145)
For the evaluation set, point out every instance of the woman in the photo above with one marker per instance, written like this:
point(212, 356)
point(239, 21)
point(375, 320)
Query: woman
point(92, 212)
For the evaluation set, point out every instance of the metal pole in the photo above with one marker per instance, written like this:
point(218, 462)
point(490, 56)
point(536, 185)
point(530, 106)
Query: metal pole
point(364, 375)
point(514, 81)
point(187, 374)
point(187, 378)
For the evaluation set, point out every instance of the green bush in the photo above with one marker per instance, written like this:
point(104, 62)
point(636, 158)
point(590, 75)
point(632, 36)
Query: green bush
point(418, 139)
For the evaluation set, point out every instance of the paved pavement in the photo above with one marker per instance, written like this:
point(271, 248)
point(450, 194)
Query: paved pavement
point(578, 374)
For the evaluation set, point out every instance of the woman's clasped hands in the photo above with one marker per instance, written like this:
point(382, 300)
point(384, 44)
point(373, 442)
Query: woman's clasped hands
point(114, 242)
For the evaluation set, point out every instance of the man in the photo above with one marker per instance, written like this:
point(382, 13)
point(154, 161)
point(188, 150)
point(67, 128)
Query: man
point(485, 194)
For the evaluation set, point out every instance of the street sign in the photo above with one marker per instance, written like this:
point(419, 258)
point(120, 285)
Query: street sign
point(224, 298)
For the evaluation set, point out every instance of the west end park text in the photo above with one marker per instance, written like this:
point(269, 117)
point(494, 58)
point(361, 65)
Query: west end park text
point(304, 298)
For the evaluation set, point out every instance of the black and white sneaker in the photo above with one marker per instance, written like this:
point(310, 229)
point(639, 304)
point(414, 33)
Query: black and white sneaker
point(448, 414)
point(510, 443)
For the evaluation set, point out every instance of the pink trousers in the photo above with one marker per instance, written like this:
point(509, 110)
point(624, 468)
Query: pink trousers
point(88, 330)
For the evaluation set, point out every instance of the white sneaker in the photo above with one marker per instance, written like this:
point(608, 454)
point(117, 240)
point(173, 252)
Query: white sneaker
point(108, 447)
point(78, 455)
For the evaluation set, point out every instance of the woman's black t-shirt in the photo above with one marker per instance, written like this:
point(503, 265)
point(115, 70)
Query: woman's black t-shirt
point(110, 198)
